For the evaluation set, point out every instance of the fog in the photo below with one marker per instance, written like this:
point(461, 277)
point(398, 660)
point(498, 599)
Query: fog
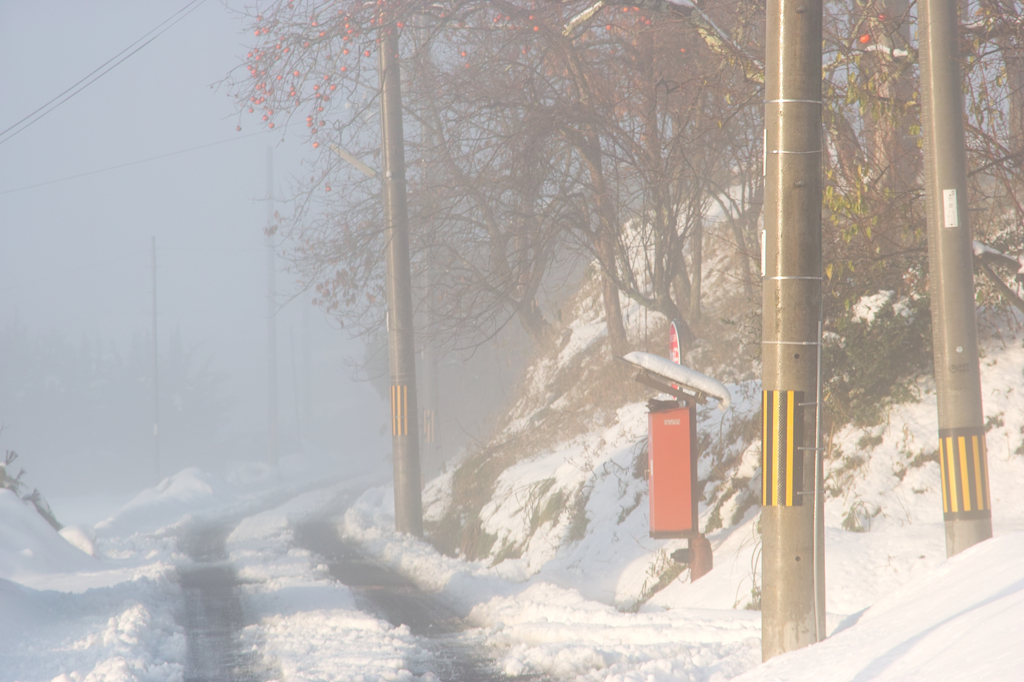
point(75, 262)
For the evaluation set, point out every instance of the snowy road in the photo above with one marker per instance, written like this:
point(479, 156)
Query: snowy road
point(241, 578)
point(458, 653)
point(213, 613)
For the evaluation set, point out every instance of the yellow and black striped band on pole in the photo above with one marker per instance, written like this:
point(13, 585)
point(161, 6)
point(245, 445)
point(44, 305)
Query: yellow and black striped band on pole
point(963, 462)
point(428, 426)
point(782, 427)
point(399, 410)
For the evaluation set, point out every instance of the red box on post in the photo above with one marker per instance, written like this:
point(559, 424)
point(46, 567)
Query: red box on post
point(672, 471)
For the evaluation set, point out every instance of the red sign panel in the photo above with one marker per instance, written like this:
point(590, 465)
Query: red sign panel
point(672, 460)
point(673, 344)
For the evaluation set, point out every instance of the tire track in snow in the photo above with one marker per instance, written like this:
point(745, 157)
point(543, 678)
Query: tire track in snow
point(213, 612)
point(457, 656)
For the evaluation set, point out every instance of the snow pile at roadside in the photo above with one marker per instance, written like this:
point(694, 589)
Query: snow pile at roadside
point(960, 621)
point(32, 545)
point(68, 616)
point(957, 619)
point(109, 620)
point(539, 628)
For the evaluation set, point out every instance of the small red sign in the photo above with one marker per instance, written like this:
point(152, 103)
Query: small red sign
point(673, 344)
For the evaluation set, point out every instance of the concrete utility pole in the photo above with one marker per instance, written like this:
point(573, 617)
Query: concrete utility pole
point(156, 381)
point(964, 464)
point(792, 609)
point(271, 319)
point(401, 347)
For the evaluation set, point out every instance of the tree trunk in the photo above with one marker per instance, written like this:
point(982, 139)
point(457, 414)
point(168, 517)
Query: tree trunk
point(610, 294)
point(696, 265)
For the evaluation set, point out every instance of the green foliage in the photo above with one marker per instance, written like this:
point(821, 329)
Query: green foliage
point(872, 364)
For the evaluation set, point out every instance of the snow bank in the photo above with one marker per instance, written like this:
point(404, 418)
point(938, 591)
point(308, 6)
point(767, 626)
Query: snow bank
point(961, 621)
point(66, 616)
point(124, 633)
point(539, 628)
point(29, 545)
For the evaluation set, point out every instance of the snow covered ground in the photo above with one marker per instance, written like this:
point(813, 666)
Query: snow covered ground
point(102, 602)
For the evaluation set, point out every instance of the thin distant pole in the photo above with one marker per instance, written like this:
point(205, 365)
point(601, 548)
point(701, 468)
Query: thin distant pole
point(307, 405)
point(156, 381)
point(295, 387)
point(271, 318)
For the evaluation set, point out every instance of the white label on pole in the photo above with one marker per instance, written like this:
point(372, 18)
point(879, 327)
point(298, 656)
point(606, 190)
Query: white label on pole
point(949, 208)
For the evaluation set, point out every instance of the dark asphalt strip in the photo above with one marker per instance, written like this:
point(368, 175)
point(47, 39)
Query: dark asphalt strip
point(213, 615)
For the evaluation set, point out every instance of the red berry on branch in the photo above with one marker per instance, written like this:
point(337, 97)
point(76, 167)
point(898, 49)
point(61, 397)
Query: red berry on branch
point(366, 53)
point(238, 127)
point(328, 188)
point(865, 38)
point(315, 145)
point(296, 73)
point(271, 125)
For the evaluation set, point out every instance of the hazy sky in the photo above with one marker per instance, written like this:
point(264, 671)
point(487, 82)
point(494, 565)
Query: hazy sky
point(75, 255)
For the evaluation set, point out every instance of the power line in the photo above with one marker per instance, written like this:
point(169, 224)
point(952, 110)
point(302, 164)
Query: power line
point(136, 163)
point(102, 70)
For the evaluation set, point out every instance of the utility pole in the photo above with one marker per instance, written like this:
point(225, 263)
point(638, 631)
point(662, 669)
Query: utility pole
point(307, 403)
point(295, 388)
point(401, 347)
point(792, 599)
point(271, 318)
point(156, 381)
point(964, 463)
